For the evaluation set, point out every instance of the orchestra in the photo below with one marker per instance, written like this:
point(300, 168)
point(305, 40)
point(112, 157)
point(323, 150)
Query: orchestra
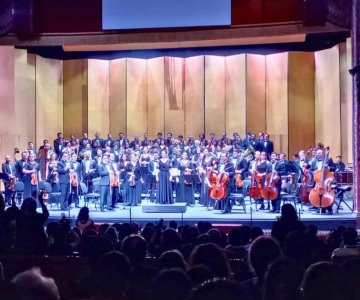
point(175, 170)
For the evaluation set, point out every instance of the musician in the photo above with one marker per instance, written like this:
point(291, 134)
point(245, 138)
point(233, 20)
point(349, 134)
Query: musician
point(122, 140)
point(132, 182)
point(31, 149)
point(30, 168)
point(98, 157)
point(322, 161)
point(58, 142)
point(135, 142)
point(104, 173)
point(339, 164)
point(64, 180)
point(19, 165)
point(227, 167)
point(267, 145)
point(114, 167)
point(84, 141)
point(52, 172)
point(75, 171)
point(109, 141)
point(262, 168)
point(164, 193)
point(145, 142)
point(185, 189)
point(43, 156)
point(241, 166)
point(97, 141)
point(9, 169)
point(278, 168)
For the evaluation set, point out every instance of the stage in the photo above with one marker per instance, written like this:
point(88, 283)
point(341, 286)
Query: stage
point(196, 213)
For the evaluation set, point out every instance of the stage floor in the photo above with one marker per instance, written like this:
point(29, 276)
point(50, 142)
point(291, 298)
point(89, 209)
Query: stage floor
point(196, 213)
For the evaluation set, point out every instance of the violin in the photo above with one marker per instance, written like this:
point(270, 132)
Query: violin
point(219, 191)
point(74, 178)
point(269, 191)
point(34, 180)
point(238, 181)
point(255, 186)
point(321, 195)
point(114, 180)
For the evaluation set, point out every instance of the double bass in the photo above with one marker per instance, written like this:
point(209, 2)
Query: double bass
point(304, 187)
point(219, 191)
point(321, 195)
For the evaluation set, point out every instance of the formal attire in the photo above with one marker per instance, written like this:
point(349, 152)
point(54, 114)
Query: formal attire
point(184, 189)
point(29, 188)
point(164, 193)
point(105, 197)
point(10, 171)
point(229, 168)
point(132, 184)
point(64, 182)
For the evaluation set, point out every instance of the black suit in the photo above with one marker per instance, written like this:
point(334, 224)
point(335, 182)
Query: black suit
point(268, 147)
point(9, 170)
point(229, 168)
point(64, 181)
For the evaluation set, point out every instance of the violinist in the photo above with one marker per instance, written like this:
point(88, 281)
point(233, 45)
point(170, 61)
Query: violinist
point(31, 176)
point(228, 168)
point(75, 170)
point(184, 188)
point(9, 169)
point(132, 181)
point(64, 180)
point(52, 172)
point(19, 165)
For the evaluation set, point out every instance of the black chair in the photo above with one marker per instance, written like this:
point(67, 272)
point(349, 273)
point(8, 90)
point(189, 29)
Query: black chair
point(54, 197)
point(93, 197)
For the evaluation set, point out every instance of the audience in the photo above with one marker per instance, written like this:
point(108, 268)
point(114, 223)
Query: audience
point(124, 261)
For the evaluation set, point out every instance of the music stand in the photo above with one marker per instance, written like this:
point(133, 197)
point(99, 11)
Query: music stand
point(341, 190)
point(194, 178)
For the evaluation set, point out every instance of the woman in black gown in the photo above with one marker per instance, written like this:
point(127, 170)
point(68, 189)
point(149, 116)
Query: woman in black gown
point(31, 167)
point(262, 168)
point(132, 183)
point(184, 189)
point(164, 193)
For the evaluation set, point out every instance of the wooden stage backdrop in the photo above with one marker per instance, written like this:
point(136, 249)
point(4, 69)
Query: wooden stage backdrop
point(299, 98)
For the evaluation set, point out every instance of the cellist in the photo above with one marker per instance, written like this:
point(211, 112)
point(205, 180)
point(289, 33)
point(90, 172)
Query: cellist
point(277, 168)
point(322, 160)
point(227, 167)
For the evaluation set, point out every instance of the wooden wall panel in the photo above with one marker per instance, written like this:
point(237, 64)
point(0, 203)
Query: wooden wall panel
point(136, 97)
point(98, 97)
point(24, 98)
point(49, 99)
point(194, 96)
point(215, 95)
point(75, 97)
point(255, 93)
point(327, 99)
point(155, 96)
point(174, 96)
point(117, 97)
point(236, 94)
point(277, 100)
point(7, 101)
point(346, 101)
point(301, 95)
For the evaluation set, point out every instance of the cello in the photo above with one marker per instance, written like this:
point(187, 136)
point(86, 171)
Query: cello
point(321, 195)
point(255, 186)
point(269, 191)
point(219, 191)
point(304, 187)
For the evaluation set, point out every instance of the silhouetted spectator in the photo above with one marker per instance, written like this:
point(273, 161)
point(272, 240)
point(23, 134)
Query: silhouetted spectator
point(349, 248)
point(325, 280)
point(212, 257)
point(283, 280)
point(112, 235)
point(32, 285)
point(83, 219)
point(171, 259)
point(287, 222)
point(199, 273)
point(352, 269)
point(297, 246)
point(173, 284)
point(255, 232)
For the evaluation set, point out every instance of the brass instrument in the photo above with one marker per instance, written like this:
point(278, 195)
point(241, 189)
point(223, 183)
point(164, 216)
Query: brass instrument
point(248, 154)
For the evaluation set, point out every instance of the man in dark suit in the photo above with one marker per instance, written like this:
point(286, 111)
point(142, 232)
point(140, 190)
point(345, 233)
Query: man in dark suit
point(278, 167)
point(267, 145)
point(109, 141)
point(145, 142)
point(9, 169)
point(19, 165)
point(58, 143)
point(64, 180)
point(104, 173)
point(339, 164)
point(84, 141)
point(135, 142)
point(97, 141)
point(122, 140)
point(75, 173)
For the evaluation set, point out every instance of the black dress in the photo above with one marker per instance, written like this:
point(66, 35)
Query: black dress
point(164, 193)
point(184, 191)
point(28, 187)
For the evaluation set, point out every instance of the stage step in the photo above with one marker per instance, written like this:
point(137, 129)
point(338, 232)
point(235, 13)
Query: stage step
point(164, 208)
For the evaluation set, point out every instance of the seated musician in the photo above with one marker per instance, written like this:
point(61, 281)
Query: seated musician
point(227, 167)
point(339, 164)
point(278, 168)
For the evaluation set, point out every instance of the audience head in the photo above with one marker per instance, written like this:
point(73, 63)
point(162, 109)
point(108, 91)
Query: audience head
point(171, 259)
point(31, 285)
point(325, 280)
point(211, 256)
point(263, 251)
point(111, 235)
point(28, 206)
point(134, 247)
point(83, 215)
point(199, 273)
point(288, 213)
point(173, 284)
